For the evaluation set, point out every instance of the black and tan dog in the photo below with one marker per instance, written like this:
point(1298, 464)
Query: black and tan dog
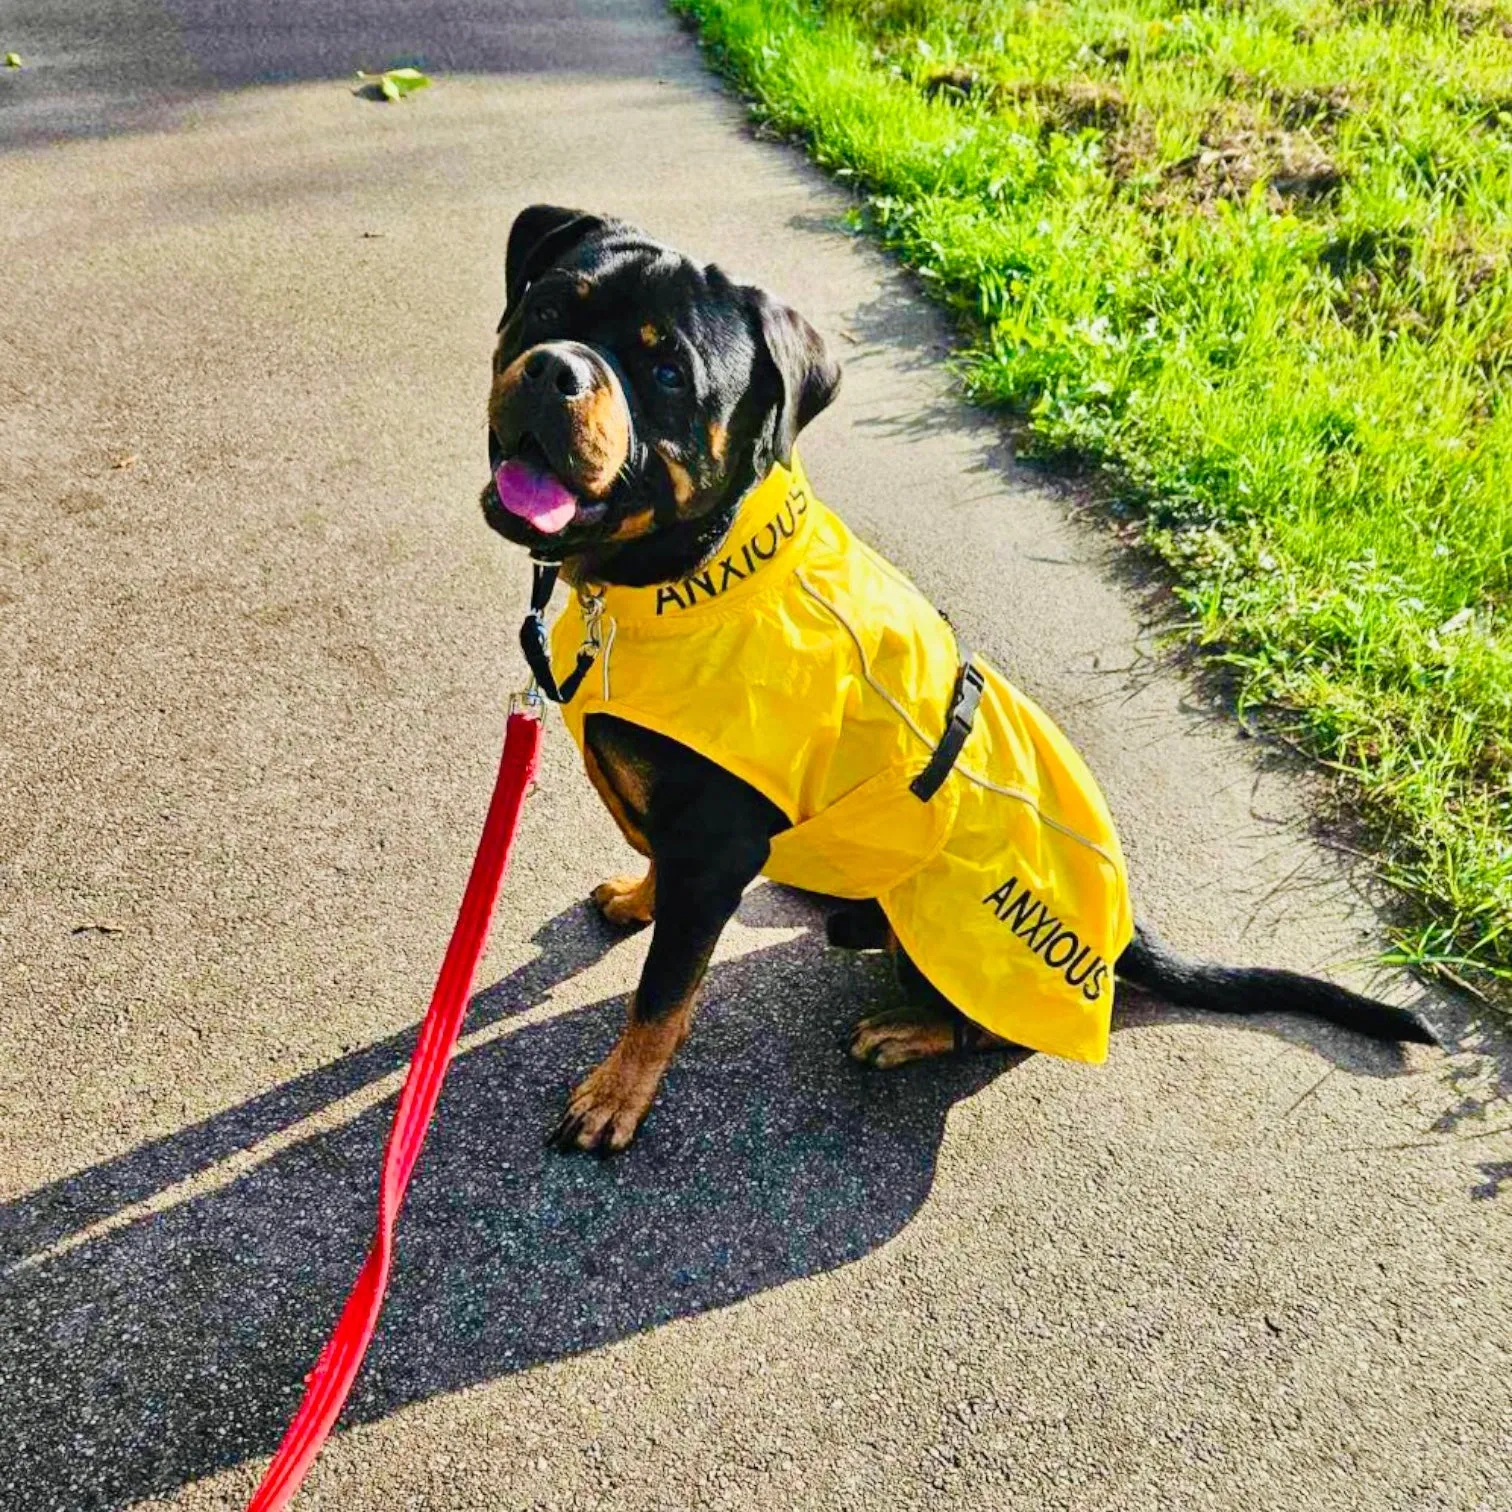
point(637, 400)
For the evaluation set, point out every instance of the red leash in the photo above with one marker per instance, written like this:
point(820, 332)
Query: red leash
point(326, 1386)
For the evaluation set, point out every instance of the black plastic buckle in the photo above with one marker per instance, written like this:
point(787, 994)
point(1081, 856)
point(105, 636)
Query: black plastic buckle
point(958, 722)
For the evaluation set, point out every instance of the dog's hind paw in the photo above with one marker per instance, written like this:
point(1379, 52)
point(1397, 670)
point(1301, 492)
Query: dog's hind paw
point(899, 1035)
point(629, 902)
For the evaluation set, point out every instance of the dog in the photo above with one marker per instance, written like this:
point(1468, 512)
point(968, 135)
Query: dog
point(768, 689)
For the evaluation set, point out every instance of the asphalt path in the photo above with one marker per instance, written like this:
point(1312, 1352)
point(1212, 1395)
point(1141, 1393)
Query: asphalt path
point(254, 646)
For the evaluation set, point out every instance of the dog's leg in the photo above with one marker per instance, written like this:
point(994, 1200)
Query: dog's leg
point(928, 1024)
point(917, 1030)
point(859, 925)
point(708, 834)
point(695, 902)
point(625, 786)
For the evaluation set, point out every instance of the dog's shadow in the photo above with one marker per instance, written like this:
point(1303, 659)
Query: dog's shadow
point(171, 1346)
point(147, 1349)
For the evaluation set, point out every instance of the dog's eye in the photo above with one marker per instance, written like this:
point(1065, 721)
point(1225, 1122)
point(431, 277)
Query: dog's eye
point(669, 375)
point(546, 314)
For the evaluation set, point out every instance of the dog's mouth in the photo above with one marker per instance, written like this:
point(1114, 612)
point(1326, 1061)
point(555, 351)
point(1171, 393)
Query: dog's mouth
point(531, 491)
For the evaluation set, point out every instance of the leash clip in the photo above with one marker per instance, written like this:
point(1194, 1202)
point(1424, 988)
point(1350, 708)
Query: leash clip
point(527, 700)
point(591, 602)
point(536, 645)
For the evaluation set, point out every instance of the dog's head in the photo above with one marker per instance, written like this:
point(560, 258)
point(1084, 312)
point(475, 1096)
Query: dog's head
point(636, 398)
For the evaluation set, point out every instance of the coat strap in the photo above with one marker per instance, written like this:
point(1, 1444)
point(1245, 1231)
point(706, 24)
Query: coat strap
point(958, 722)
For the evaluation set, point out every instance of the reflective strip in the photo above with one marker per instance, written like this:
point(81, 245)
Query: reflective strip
point(866, 671)
point(924, 740)
point(608, 649)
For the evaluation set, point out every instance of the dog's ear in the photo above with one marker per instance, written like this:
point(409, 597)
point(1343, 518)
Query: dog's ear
point(541, 236)
point(808, 376)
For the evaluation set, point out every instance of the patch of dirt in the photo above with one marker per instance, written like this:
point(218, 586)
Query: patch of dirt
point(958, 83)
point(1078, 105)
point(1297, 107)
point(1467, 17)
point(1238, 150)
point(1477, 267)
point(1366, 264)
point(1372, 269)
point(1131, 150)
point(1307, 107)
point(1313, 180)
point(1367, 252)
point(1082, 105)
point(1114, 51)
point(1493, 766)
point(885, 16)
point(1227, 169)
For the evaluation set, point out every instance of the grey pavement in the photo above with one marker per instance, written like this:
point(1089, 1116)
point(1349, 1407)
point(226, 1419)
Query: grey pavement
point(254, 645)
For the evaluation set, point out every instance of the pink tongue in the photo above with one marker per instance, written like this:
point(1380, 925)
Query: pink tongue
point(538, 498)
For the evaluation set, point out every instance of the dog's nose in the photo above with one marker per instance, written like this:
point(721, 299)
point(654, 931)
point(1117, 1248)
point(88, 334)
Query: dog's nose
point(553, 368)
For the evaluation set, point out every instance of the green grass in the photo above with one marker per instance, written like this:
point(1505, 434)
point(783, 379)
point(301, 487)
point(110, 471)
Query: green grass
point(1254, 262)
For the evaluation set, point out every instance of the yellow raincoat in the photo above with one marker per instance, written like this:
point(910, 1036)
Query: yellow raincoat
point(801, 661)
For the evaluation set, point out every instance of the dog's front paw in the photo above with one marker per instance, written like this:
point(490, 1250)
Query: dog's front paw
point(606, 1108)
point(629, 902)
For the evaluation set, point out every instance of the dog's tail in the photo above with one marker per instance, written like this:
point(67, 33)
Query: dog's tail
point(1149, 962)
